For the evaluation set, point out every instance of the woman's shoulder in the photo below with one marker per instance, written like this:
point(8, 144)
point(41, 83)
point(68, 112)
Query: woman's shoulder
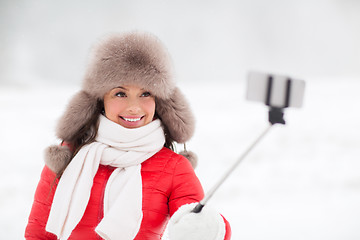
point(165, 158)
point(166, 152)
point(170, 156)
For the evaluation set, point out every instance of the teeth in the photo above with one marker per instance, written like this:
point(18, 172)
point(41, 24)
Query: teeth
point(131, 119)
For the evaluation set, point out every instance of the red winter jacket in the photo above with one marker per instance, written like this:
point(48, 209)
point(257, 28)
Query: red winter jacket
point(168, 182)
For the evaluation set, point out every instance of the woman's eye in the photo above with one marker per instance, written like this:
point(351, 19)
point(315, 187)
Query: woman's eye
point(120, 94)
point(146, 94)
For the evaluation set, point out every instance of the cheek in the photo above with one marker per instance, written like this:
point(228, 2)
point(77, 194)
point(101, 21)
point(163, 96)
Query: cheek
point(149, 107)
point(112, 107)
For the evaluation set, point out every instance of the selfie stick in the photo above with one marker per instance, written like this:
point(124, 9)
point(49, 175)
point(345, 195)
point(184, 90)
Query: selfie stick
point(276, 115)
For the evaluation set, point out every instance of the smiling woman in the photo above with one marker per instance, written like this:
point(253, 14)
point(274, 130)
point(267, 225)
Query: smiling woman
point(116, 174)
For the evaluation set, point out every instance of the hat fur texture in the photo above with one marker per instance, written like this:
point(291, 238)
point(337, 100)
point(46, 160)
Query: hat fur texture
point(80, 109)
point(57, 157)
point(133, 58)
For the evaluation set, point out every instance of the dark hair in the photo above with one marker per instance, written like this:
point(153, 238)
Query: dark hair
point(87, 133)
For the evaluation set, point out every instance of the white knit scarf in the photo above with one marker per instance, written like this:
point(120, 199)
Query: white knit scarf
point(119, 147)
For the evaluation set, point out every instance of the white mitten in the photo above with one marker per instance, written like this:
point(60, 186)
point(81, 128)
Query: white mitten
point(205, 225)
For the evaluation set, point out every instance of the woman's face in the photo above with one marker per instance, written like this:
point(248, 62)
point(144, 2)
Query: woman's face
point(130, 106)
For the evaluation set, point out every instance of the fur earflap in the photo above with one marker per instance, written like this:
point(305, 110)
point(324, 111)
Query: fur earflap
point(130, 59)
point(57, 158)
point(176, 115)
point(79, 111)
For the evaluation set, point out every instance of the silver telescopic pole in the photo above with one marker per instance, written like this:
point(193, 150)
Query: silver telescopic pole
point(211, 192)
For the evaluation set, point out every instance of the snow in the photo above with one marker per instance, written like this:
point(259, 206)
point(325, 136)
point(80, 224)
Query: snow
point(301, 182)
point(303, 179)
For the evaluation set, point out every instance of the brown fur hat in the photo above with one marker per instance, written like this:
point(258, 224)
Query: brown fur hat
point(126, 59)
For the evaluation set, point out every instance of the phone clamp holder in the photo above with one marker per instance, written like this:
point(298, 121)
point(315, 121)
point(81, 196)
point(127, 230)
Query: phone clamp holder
point(276, 113)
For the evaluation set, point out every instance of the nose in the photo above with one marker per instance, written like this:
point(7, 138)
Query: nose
point(133, 106)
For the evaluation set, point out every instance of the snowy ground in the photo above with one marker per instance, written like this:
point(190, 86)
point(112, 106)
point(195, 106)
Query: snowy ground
point(301, 182)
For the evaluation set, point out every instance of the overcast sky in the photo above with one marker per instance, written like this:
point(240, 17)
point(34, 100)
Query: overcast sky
point(48, 41)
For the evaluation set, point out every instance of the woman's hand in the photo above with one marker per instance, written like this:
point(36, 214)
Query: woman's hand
point(205, 225)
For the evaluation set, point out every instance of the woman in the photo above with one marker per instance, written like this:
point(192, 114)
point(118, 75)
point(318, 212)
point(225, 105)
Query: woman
point(115, 176)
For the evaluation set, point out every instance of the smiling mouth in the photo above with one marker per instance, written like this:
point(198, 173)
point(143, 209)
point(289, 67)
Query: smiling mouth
point(132, 119)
